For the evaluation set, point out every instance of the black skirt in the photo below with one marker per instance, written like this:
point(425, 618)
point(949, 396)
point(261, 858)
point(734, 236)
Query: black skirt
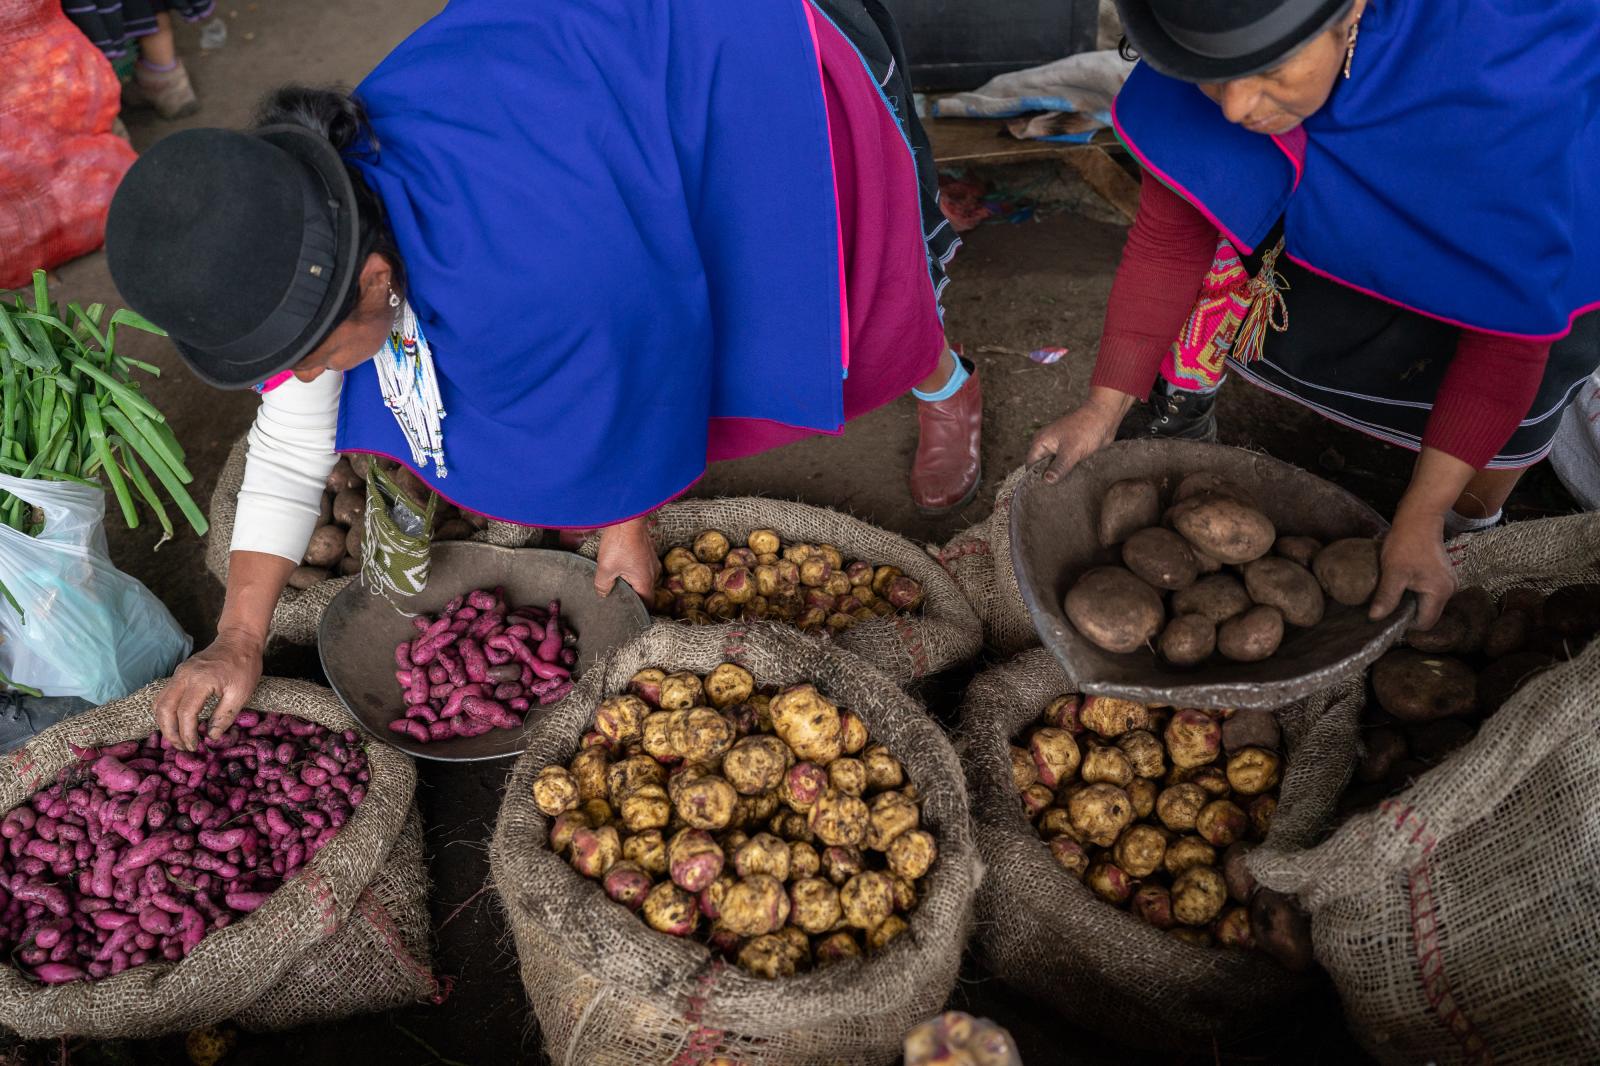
point(1375, 367)
point(116, 25)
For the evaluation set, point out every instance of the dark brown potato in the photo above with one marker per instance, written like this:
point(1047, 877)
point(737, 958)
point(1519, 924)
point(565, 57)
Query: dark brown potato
point(1161, 558)
point(1205, 563)
point(1524, 598)
point(325, 515)
point(1188, 639)
point(1281, 929)
point(453, 529)
point(1503, 677)
point(1462, 626)
point(1252, 636)
point(1219, 598)
point(349, 566)
point(1432, 742)
point(1573, 611)
point(1288, 586)
point(1224, 528)
point(1207, 483)
point(1114, 610)
point(343, 476)
point(1507, 634)
point(1241, 882)
point(1419, 688)
point(1384, 746)
point(1251, 728)
point(349, 506)
point(303, 577)
point(1348, 570)
point(1129, 506)
point(1300, 550)
point(353, 543)
point(326, 546)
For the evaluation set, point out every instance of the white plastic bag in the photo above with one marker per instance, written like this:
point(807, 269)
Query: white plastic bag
point(86, 628)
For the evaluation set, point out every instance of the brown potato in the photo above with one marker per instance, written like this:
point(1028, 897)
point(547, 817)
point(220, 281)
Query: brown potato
point(1209, 483)
point(350, 506)
point(694, 859)
point(1143, 793)
point(840, 820)
point(1107, 764)
point(706, 803)
point(1211, 778)
point(1070, 854)
point(1462, 628)
point(701, 736)
point(1160, 558)
point(1261, 810)
point(814, 905)
point(762, 854)
point(883, 769)
point(1382, 747)
point(711, 546)
point(1236, 873)
point(1193, 738)
point(620, 719)
point(589, 770)
point(1036, 799)
point(1055, 756)
point(802, 786)
point(756, 764)
point(326, 547)
point(803, 860)
point(1064, 713)
point(1221, 822)
point(1507, 634)
point(1056, 821)
point(1109, 882)
point(1144, 752)
point(698, 578)
point(599, 812)
point(1198, 895)
point(755, 906)
point(681, 691)
point(453, 529)
point(767, 956)
point(1233, 929)
point(1023, 771)
point(1140, 849)
point(912, 854)
point(1153, 904)
point(1114, 610)
point(1100, 813)
point(1347, 570)
point(1188, 640)
point(1281, 929)
point(1301, 550)
point(1504, 676)
point(1179, 806)
point(728, 684)
point(303, 577)
point(1251, 728)
point(892, 813)
point(648, 851)
point(1225, 529)
point(848, 775)
point(835, 948)
point(1187, 852)
point(808, 723)
point(625, 775)
point(1128, 506)
point(1252, 636)
point(555, 791)
point(1418, 688)
point(1252, 771)
point(1288, 586)
point(886, 931)
point(1218, 598)
point(867, 899)
point(1110, 718)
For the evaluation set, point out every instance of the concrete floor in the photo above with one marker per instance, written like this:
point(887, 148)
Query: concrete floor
point(1016, 287)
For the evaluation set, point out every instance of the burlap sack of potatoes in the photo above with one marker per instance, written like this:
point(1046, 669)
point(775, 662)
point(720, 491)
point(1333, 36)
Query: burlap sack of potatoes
point(609, 991)
point(941, 634)
point(1045, 933)
point(980, 561)
point(298, 612)
point(1458, 919)
point(350, 934)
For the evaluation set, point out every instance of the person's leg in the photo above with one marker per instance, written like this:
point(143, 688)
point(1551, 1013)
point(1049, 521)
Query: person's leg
point(159, 51)
point(947, 467)
point(941, 373)
point(1481, 502)
point(160, 74)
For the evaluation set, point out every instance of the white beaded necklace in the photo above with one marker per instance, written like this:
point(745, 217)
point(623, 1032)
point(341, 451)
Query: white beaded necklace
point(411, 390)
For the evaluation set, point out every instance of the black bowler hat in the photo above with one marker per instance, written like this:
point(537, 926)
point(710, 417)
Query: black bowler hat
point(242, 246)
point(1217, 40)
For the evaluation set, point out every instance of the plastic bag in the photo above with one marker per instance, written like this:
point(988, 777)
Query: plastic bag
point(86, 628)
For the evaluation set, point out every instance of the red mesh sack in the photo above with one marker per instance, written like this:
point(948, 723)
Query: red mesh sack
point(59, 160)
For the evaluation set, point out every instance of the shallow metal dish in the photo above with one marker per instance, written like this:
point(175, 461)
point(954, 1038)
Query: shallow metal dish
point(360, 630)
point(1054, 539)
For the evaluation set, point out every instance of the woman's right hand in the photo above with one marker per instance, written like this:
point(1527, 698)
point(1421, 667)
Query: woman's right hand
point(228, 670)
point(1080, 433)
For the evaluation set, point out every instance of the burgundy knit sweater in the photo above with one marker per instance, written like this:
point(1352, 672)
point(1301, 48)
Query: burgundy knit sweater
point(1486, 392)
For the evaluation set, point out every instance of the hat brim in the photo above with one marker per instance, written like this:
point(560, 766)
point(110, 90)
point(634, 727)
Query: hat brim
point(1157, 47)
point(313, 150)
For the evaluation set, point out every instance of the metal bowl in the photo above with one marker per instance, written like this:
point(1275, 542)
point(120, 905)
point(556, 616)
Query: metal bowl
point(1055, 538)
point(360, 630)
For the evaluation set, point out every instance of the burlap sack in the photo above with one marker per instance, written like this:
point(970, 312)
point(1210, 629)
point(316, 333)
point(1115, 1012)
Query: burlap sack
point(980, 561)
point(608, 991)
point(349, 934)
point(1044, 933)
point(943, 634)
point(1458, 919)
point(298, 612)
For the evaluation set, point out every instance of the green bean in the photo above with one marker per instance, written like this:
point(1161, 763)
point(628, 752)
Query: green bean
point(135, 473)
point(118, 421)
point(120, 393)
point(97, 436)
point(147, 431)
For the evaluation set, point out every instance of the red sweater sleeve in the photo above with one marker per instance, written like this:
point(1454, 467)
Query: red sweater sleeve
point(1169, 250)
point(1485, 395)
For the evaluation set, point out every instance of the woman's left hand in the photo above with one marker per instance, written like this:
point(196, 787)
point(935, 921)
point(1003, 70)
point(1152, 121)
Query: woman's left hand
point(626, 554)
point(1413, 558)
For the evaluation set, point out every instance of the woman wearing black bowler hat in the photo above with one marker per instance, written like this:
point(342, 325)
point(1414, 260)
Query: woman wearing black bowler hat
point(554, 258)
point(1385, 210)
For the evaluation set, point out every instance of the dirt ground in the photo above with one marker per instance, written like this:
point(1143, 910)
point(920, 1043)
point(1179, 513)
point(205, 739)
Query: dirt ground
point(1016, 288)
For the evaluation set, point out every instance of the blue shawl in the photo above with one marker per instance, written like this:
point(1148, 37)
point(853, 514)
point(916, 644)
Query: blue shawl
point(1457, 171)
point(618, 221)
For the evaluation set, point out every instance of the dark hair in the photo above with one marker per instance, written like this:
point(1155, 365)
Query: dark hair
point(1126, 50)
point(342, 119)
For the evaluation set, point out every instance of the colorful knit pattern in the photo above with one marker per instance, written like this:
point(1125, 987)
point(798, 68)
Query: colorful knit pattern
point(1198, 359)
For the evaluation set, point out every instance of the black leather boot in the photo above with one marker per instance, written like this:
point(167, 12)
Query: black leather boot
point(1177, 414)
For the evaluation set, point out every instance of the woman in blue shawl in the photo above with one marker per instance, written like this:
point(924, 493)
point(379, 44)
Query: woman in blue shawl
point(1385, 210)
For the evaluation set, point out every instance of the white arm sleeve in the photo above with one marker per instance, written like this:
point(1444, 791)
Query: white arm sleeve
point(291, 454)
